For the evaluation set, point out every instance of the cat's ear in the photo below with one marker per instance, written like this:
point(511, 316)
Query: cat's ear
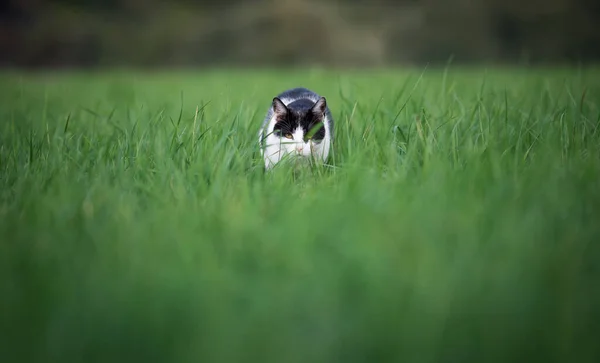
point(279, 108)
point(320, 107)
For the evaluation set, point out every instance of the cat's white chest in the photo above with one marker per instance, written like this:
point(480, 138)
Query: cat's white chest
point(276, 150)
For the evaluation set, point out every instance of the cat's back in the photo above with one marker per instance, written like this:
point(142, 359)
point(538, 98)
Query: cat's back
point(298, 93)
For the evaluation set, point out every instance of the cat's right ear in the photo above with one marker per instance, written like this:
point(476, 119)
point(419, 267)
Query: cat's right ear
point(320, 107)
point(279, 108)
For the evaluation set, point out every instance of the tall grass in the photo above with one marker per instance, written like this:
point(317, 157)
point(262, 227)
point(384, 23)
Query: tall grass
point(456, 222)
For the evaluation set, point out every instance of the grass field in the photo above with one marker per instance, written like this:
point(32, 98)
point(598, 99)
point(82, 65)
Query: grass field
point(456, 222)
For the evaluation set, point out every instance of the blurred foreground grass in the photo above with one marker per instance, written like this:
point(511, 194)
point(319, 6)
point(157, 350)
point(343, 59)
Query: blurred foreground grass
point(457, 222)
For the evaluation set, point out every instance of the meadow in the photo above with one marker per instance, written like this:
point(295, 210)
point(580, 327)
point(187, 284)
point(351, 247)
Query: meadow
point(457, 220)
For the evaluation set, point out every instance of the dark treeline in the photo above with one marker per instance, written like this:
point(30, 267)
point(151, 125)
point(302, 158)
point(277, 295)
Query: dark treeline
point(37, 33)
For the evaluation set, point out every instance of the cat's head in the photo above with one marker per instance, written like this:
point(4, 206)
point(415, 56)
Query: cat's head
point(299, 129)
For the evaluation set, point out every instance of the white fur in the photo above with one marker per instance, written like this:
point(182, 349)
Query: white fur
point(277, 148)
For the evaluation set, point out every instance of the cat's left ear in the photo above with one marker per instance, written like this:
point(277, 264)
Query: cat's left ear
point(320, 107)
point(279, 107)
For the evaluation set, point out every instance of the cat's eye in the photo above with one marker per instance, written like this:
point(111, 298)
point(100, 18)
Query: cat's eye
point(288, 136)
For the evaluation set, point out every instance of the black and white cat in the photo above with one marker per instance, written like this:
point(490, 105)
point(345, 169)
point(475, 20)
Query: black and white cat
point(298, 124)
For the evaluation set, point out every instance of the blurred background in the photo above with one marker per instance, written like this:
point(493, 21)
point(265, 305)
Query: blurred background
point(352, 33)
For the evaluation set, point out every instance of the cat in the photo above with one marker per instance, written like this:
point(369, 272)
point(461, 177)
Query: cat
point(298, 124)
